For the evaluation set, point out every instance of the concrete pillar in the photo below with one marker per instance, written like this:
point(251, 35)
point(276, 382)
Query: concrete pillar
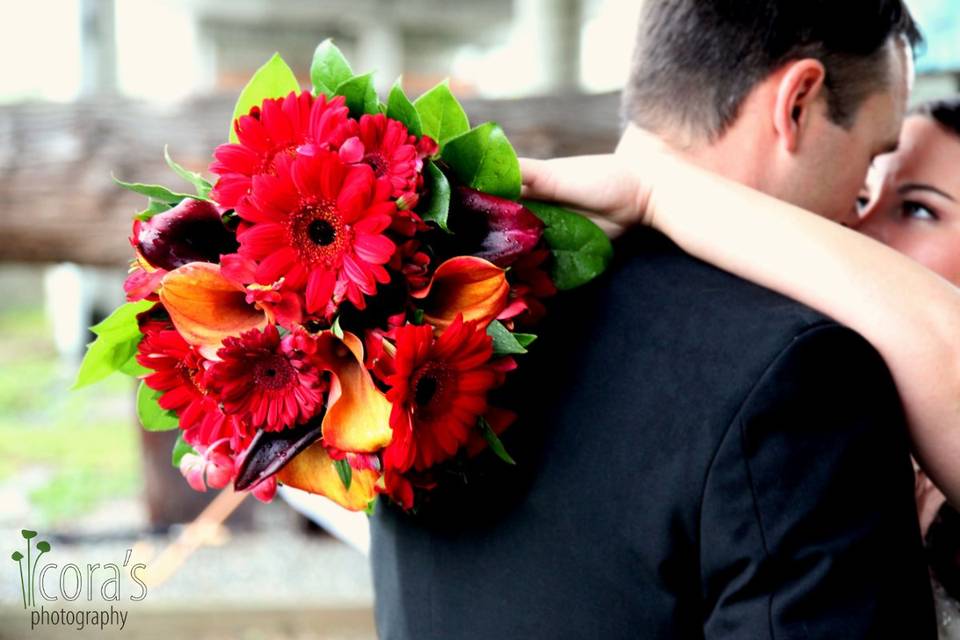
point(551, 29)
point(98, 48)
point(380, 49)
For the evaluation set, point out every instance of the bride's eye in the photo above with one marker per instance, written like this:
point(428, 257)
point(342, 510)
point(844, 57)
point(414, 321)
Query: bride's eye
point(917, 211)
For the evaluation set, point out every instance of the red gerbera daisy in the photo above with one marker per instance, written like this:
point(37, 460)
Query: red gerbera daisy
point(319, 224)
point(178, 373)
point(438, 390)
point(278, 127)
point(266, 382)
point(385, 145)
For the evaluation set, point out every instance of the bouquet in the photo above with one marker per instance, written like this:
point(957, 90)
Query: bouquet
point(333, 310)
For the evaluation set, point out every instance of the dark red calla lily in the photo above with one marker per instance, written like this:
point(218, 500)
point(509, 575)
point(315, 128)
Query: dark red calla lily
point(192, 231)
point(493, 228)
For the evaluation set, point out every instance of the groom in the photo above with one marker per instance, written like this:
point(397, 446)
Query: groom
point(697, 457)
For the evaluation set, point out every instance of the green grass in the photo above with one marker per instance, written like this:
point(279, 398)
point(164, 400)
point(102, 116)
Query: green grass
point(85, 441)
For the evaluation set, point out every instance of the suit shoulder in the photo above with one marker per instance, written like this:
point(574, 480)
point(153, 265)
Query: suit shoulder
point(650, 269)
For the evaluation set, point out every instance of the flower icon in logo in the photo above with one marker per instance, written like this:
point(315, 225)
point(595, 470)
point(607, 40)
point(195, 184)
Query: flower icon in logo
point(27, 587)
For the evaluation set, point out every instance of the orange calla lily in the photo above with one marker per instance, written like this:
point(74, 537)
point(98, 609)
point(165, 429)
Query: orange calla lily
point(469, 285)
point(358, 414)
point(313, 471)
point(205, 307)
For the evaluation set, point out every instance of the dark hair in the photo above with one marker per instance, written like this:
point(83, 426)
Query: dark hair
point(695, 61)
point(946, 113)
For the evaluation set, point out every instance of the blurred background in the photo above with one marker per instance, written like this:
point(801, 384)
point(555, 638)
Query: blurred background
point(90, 88)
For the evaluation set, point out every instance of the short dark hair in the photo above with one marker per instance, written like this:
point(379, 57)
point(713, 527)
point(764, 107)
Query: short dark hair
point(946, 113)
point(695, 61)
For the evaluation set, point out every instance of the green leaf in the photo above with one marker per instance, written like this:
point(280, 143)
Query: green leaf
point(345, 471)
point(504, 342)
point(525, 339)
point(274, 79)
point(201, 184)
point(122, 318)
point(441, 115)
point(180, 449)
point(329, 69)
point(156, 192)
point(133, 368)
point(484, 160)
point(400, 108)
point(495, 445)
point(360, 94)
point(418, 316)
point(153, 209)
point(436, 205)
point(117, 340)
point(371, 507)
point(581, 250)
point(335, 328)
point(152, 416)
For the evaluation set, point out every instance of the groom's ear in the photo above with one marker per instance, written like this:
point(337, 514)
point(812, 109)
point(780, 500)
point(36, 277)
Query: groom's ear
point(801, 85)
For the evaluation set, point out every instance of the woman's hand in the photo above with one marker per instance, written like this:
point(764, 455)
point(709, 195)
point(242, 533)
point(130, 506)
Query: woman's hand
point(612, 189)
point(602, 187)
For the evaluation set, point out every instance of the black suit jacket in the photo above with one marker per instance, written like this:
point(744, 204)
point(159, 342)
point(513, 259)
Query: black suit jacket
point(696, 457)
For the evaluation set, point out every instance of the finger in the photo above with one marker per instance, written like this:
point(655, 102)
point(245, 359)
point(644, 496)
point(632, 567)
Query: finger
point(537, 179)
point(549, 188)
point(609, 227)
point(529, 168)
point(589, 182)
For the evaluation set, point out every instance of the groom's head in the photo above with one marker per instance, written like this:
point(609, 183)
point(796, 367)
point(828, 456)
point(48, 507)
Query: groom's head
point(792, 98)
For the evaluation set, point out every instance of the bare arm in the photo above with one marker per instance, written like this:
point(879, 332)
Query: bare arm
point(909, 314)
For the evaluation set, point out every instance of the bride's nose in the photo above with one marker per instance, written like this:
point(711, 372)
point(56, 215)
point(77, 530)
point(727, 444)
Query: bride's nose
point(865, 209)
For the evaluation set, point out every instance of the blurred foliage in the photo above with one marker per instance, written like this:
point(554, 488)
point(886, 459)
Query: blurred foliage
point(77, 448)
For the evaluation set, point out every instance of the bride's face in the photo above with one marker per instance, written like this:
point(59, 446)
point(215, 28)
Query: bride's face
point(911, 201)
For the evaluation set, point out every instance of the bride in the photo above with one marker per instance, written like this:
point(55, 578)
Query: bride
point(900, 293)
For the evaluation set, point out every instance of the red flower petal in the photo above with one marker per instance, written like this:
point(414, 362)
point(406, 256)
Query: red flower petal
point(373, 248)
point(261, 240)
point(320, 285)
point(275, 265)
